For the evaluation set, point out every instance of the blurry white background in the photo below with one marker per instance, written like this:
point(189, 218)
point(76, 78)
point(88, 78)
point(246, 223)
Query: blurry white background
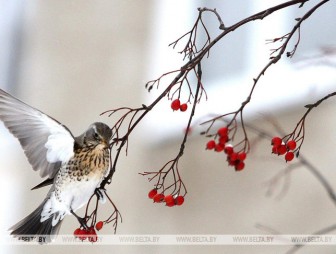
point(75, 59)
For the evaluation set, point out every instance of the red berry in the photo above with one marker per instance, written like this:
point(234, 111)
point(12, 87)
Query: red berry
point(239, 166)
point(223, 139)
point(77, 232)
point(179, 200)
point(92, 235)
point(171, 203)
point(231, 162)
point(82, 234)
point(211, 145)
point(184, 107)
point(242, 156)
point(291, 144)
point(152, 193)
point(175, 105)
point(276, 141)
point(99, 225)
point(169, 198)
point(233, 159)
point(158, 198)
point(275, 149)
point(222, 131)
point(91, 230)
point(233, 156)
point(228, 149)
point(219, 147)
point(282, 149)
point(289, 156)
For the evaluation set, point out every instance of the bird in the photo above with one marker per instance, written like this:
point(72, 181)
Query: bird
point(73, 166)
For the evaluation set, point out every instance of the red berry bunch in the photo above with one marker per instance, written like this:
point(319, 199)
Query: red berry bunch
point(235, 159)
point(170, 200)
point(176, 105)
point(279, 147)
point(223, 137)
point(89, 233)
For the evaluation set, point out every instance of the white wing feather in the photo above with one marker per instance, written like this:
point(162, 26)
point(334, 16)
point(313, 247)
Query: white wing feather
point(46, 143)
point(59, 145)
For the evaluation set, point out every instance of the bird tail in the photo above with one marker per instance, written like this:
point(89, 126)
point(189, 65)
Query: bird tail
point(31, 227)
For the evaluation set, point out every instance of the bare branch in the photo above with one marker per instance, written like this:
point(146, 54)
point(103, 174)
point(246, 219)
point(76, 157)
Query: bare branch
point(175, 185)
point(193, 53)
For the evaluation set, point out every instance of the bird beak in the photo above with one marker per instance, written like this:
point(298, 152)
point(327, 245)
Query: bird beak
point(105, 143)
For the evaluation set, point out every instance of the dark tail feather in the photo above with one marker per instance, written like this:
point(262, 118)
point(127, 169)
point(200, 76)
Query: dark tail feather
point(32, 226)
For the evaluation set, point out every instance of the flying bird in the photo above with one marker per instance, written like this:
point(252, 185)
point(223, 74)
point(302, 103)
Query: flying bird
point(73, 166)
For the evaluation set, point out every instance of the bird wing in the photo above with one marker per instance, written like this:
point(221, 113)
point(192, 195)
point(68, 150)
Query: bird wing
point(46, 142)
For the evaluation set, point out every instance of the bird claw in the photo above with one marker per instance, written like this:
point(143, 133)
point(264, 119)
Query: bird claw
point(101, 195)
point(82, 221)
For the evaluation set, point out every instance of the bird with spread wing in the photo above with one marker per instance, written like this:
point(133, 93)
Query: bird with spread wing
point(73, 166)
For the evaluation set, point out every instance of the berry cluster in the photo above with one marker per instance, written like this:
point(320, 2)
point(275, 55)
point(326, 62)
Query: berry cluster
point(235, 159)
point(89, 233)
point(176, 105)
point(279, 147)
point(170, 200)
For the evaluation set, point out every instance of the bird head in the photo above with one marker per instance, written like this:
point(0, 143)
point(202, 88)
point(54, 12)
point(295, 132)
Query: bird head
point(98, 134)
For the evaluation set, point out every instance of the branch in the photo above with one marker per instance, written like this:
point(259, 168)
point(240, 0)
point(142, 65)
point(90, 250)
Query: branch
point(298, 134)
point(302, 160)
point(274, 60)
point(194, 54)
point(175, 185)
point(307, 165)
point(123, 140)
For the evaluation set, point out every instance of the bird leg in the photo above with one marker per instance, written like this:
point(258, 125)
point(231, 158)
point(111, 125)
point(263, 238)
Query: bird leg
point(81, 220)
point(100, 195)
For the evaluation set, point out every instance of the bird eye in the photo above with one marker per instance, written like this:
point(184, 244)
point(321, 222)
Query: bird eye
point(96, 136)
